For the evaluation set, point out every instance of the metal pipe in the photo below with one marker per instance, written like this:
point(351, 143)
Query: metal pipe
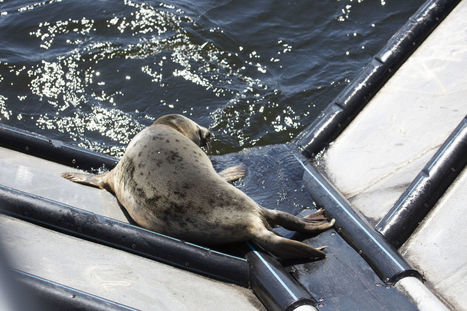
point(83, 224)
point(53, 150)
point(276, 288)
point(425, 190)
point(48, 295)
point(383, 258)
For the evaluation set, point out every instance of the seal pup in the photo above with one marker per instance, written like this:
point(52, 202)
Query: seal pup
point(168, 184)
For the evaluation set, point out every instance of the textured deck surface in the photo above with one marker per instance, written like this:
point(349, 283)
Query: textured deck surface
point(343, 281)
point(103, 271)
point(385, 147)
point(391, 140)
point(439, 246)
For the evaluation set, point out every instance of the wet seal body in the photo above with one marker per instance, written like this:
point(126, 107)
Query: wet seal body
point(168, 184)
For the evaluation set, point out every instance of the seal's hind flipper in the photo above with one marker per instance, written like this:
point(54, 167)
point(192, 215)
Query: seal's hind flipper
point(316, 216)
point(85, 179)
point(285, 248)
point(233, 173)
point(313, 223)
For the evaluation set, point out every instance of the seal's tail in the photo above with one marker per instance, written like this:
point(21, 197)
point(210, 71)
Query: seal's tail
point(86, 179)
point(285, 248)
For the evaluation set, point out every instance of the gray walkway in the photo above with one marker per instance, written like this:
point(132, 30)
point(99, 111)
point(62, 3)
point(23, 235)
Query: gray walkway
point(439, 246)
point(103, 271)
point(386, 146)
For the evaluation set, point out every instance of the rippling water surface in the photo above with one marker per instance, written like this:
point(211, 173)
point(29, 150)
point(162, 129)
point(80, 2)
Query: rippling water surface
point(94, 73)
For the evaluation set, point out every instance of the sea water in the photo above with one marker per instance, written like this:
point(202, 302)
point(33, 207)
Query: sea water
point(94, 73)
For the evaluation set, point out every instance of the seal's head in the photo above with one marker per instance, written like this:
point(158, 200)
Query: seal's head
point(197, 133)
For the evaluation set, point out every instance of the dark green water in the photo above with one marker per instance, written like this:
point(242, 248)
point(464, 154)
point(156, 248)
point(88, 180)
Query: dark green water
point(94, 73)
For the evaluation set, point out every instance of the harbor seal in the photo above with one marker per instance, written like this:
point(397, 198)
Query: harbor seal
point(168, 184)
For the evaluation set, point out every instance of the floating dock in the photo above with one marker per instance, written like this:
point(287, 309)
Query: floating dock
point(386, 159)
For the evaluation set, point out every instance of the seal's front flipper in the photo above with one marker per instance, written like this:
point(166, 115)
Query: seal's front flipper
point(85, 179)
point(285, 248)
point(233, 173)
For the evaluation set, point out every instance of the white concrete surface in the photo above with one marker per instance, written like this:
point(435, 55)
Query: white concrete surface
point(438, 248)
point(386, 146)
point(305, 308)
point(42, 177)
point(420, 295)
point(116, 275)
point(6, 299)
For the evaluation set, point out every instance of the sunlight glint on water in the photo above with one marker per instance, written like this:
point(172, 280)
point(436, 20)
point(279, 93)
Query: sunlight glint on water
point(94, 73)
